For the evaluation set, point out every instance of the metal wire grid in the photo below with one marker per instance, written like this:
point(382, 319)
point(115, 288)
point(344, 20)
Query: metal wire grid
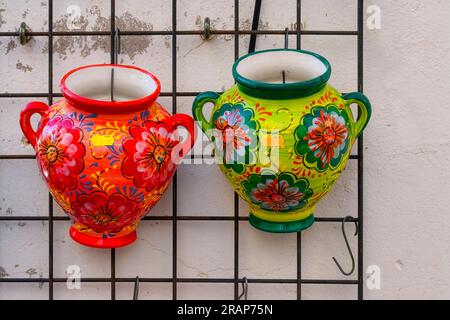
point(236, 280)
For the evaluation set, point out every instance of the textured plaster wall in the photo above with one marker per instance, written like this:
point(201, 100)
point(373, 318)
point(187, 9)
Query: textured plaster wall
point(406, 157)
point(408, 150)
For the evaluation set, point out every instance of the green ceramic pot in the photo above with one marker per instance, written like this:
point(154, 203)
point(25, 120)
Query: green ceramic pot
point(282, 135)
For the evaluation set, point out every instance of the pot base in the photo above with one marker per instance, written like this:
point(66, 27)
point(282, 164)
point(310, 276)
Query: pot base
point(281, 227)
point(106, 243)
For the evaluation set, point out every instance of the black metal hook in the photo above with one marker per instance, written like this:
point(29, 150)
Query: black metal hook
point(115, 55)
point(255, 23)
point(286, 38)
point(24, 37)
point(206, 29)
point(286, 46)
point(244, 289)
point(116, 45)
point(348, 247)
point(136, 289)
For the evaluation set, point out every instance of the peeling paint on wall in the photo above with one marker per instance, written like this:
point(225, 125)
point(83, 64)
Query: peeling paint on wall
point(23, 67)
point(131, 46)
point(219, 24)
point(247, 25)
point(25, 13)
point(2, 21)
point(12, 44)
point(3, 273)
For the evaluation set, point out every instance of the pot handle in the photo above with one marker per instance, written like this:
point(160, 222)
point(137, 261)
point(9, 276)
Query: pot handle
point(364, 105)
point(25, 117)
point(185, 121)
point(197, 109)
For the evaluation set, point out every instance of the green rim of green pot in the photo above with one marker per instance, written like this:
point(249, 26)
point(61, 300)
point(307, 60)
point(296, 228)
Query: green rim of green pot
point(281, 227)
point(282, 90)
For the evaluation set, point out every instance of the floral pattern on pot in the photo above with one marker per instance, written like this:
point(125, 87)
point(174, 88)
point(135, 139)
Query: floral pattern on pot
point(148, 152)
point(283, 192)
point(101, 212)
point(61, 153)
point(235, 135)
point(323, 137)
point(107, 162)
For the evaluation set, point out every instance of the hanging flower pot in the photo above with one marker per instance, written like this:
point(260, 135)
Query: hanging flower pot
point(282, 134)
point(107, 150)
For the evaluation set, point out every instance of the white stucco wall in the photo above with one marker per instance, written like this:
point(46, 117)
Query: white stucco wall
point(407, 206)
point(407, 152)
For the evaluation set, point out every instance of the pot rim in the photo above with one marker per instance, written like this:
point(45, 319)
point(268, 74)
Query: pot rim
point(103, 106)
point(289, 90)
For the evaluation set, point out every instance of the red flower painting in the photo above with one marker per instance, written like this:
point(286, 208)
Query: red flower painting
point(148, 153)
point(323, 137)
point(327, 136)
point(101, 212)
point(276, 195)
point(61, 153)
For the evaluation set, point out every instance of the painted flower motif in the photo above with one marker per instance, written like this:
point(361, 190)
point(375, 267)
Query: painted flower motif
point(148, 152)
point(152, 198)
point(323, 137)
point(274, 192)
point(235, 135)
point(102, 213)
point(61, 153)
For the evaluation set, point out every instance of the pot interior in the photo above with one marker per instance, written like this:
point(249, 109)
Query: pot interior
point(268, 67)
point(98, 82)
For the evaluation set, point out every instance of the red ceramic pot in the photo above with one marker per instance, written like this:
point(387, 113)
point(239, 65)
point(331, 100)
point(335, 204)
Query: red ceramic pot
point(107, 159)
